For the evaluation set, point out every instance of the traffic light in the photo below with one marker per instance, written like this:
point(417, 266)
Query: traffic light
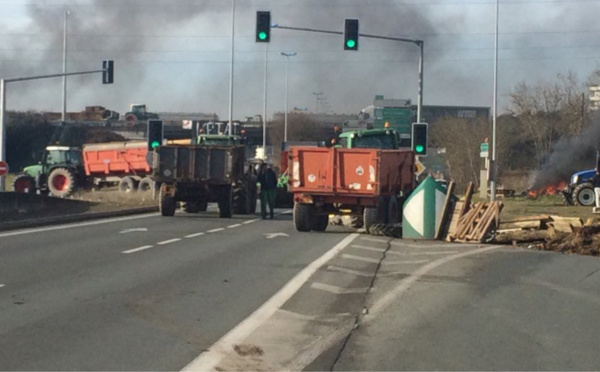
point(263, 27)
point(108, 72)
point(351, 34)
point(155, 134)
point(419, 139)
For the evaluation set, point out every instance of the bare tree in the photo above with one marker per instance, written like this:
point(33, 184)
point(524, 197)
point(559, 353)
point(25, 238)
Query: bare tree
point(300, 128)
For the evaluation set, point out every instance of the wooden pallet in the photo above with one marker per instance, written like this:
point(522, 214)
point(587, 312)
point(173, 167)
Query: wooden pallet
point(477, 223)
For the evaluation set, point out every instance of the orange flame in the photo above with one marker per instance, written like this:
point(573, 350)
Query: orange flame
point(548, 190)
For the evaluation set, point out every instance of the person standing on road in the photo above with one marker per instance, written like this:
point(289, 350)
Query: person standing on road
point(268, 184)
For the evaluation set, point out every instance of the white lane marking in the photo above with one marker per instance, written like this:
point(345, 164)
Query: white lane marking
point(138, 249)
point(361, 258)
point(406, 283)
point(233, 226)
point(338, 290)
point(194, 235)
point(2, 285)
point(350, 271)
point(422, 253)
point(374, 239)
point(75, 225)
point(209, 360)
point(169, 241)
point(216, 230)
point(274, 235)
point(384, 262)
point(136, 229)
point(287, 212)
point(249, 221)
point(439, 245)
point(366, 248)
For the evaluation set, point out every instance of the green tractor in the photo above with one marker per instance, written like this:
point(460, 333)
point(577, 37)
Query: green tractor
point(59, 173)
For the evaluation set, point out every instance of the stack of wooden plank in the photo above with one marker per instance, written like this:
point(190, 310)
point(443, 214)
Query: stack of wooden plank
point(478, 224)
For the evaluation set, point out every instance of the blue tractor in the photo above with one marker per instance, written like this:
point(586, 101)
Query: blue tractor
point(580, 190)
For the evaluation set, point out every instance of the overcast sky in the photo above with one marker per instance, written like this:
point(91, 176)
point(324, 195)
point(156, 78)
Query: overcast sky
point(174, 55)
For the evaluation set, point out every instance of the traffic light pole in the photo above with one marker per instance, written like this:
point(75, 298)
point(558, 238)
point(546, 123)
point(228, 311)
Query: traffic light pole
point(419, 43)
point(3, 83)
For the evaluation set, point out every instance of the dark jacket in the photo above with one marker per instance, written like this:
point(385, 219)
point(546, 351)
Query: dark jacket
point(267, 180)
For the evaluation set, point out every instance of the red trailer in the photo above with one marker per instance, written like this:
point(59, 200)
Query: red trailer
point(365, 182)
point(122, 163)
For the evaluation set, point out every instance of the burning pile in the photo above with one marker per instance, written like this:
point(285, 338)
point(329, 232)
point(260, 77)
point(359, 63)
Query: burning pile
point(533, 193)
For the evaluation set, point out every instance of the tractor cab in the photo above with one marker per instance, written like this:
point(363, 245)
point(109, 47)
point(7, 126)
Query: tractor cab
point(386, 139)
point(56, 156)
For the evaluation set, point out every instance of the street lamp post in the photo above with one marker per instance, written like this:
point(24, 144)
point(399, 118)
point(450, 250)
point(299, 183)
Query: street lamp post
point(285, 125)
point(494, 113)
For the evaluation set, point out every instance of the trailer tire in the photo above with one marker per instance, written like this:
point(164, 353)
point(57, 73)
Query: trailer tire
point(302, 216)
point(584, 195)
point(166, 205)
point(127, 184)
point(24, 183)
point(370, 218)
point(320, 222)
point(225, 202)
point(145, 185)
point(61, 182)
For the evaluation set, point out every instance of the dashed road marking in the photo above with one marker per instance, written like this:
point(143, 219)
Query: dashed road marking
point(414, 262)
point(339, 290)
point(374, 240)
point(233, 226)
point(169, 241)
point(361, 258)
point(138, 249)
point(366, 248)
point(249, 221)
point(216, 230)
point(2, 285)
point(350, 271)
point(194, 235)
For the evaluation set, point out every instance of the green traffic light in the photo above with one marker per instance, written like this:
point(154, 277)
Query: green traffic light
point(350, 43)
point(262, 35)
point(419, 148)
point(155, 144)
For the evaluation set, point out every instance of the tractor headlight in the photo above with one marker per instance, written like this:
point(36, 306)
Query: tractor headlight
point(575, 179)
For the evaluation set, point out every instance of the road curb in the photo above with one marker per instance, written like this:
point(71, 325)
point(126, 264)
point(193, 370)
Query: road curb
point(78, 217)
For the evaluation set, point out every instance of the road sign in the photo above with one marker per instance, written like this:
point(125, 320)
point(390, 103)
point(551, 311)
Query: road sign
point(3, 168)
point(484, 147)
point(419, 168)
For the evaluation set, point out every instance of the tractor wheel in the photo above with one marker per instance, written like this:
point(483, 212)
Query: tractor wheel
point(226, 202)
point(127, 184)
point(190, 207)
point(145, 185)
point(130, 117)
point(584, 195)
point(24, 183)
point(567, 197)
point(61, 182)
point(303, 215)
point(166, 204)
point(320, 222)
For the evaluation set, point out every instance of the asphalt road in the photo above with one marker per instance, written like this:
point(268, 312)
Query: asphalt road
point(143, 292)
point(197, 292)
